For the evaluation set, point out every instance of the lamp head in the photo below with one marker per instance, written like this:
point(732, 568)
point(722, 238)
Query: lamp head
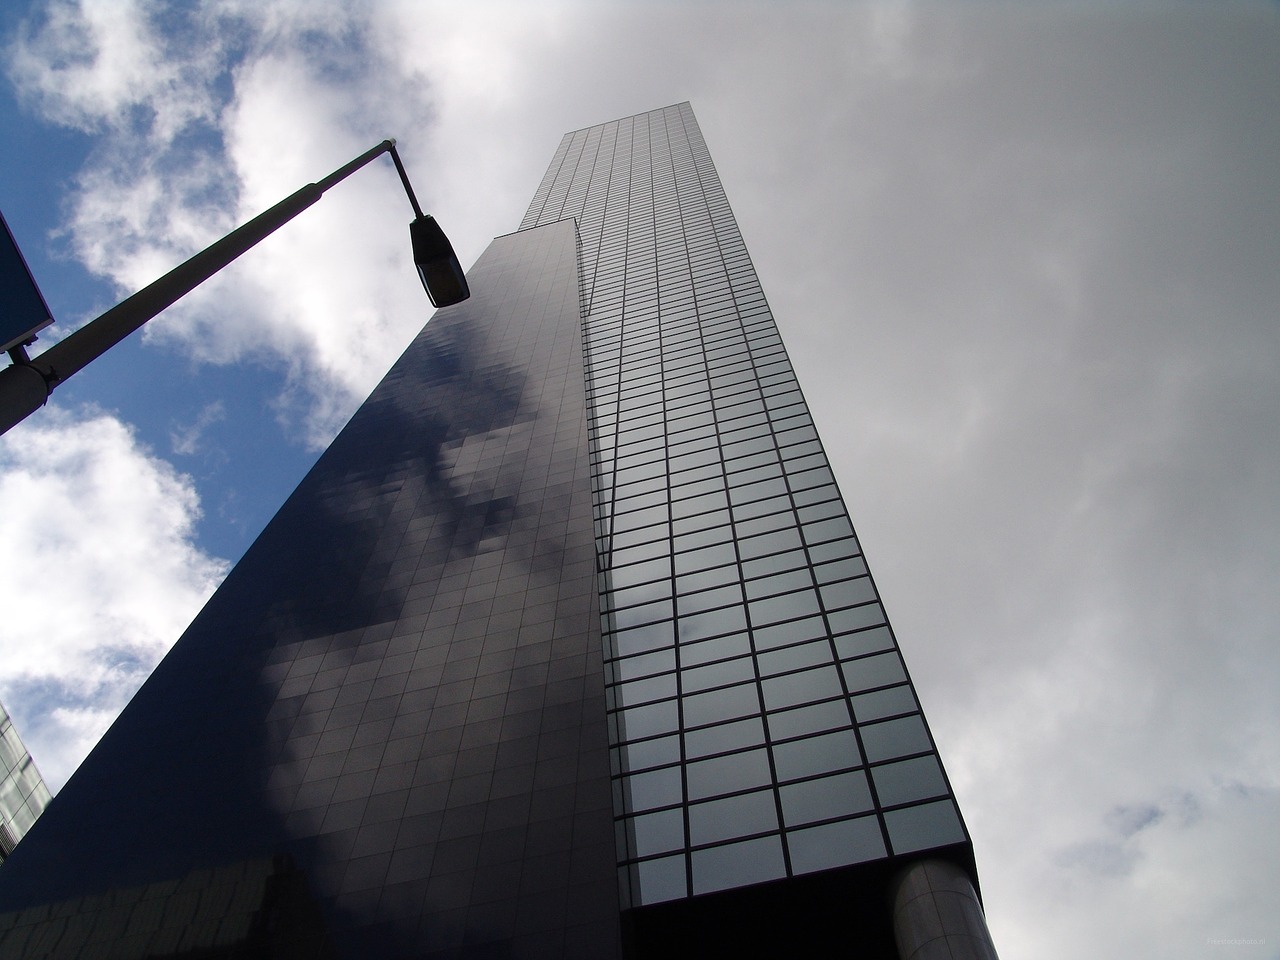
point(437, 264)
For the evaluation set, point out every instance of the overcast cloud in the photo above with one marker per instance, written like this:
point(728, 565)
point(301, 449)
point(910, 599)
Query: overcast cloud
point(100, 577)
point(1025, 263)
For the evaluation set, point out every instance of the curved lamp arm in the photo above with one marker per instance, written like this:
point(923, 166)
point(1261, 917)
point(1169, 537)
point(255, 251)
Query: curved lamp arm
point(26, 384)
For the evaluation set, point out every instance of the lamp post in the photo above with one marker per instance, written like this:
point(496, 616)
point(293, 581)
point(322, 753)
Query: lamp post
point(25, 385)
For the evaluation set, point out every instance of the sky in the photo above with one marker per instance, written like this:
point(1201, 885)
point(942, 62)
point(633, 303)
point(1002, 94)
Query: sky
point(1024, 260)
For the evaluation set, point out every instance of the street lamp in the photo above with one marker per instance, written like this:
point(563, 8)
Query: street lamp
point(25, 384)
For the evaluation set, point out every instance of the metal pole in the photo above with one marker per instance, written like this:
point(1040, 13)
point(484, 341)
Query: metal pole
point(24, 387)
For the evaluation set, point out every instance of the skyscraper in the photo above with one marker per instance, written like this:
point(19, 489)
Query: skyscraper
point(565, 647)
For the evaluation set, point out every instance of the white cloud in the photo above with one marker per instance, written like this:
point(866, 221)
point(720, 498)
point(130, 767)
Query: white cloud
point(186, 439)
point(104, 66)
point(100, 577)
point(1024, 262)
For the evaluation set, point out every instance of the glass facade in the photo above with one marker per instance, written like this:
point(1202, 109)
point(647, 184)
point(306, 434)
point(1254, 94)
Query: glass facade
point(761, 720)
point(23, 794)
point(385, 734)
point(564, 648)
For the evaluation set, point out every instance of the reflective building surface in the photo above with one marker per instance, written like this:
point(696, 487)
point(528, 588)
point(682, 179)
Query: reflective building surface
point(23, 794)
point(564, 648)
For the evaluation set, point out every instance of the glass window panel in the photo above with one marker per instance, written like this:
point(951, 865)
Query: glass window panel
point(697, 473)
point(784, 407)
point(643, 639)
point(894, 738)
point(733, 403)
point(724, 704)
point(697, 487)
point(786, 634)
point(712, 556)
point(794, 658)
point(795, 417)
point(619, 578)
point(737, 864)
point(749, 467)
point(660, 880)
point(868, 641)
point(695, 392)
point(717, 674)
point(684, 376)
point(645, 403)
point(816, 755)
point(821, 799)
point(704, 579)
point(730, 817)
point(647, 551)
point(835, 844)
point(804, 455)
point(746, 447)
point(731, 344)
point(703, 625)
point(788, 606)
point(761, 508)
point(815, 495)
point(855, 618)
point(827, 530)
point(650, 753)
point(794, 688)
point(920, 828)
point(835, 550)
point(656, 832)
point(776, 563)
point(798, 435)
point(647, 721)
point(781, 583)
point(909, 780)
point(750, 427)
point(729, 774)
point(692, 442)
point(814, 718)
point(726, 377)
point(645, 664)
point(650, 432)
point(821, 511)
point(642, 448)
point(846, 593)
point(689, 418)
point(645, 613)
point(642, 691)
point(632, 421)
point(843, 569)
point(770, 469)
point(724, 736)
point(649, 499)
point(714, 518)
point(720, 648)
point(701, 458)
point(808, 478)
point(747, 528)
point(657, 788)
point(750, 419)
point(625, 539)
point(701, 538)
point(707, 599)
point(634, 519)
point(775, 542)
point(877, 671)
point(884, 703)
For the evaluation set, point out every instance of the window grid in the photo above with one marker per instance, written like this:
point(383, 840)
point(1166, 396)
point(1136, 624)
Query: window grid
point(742, 630)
